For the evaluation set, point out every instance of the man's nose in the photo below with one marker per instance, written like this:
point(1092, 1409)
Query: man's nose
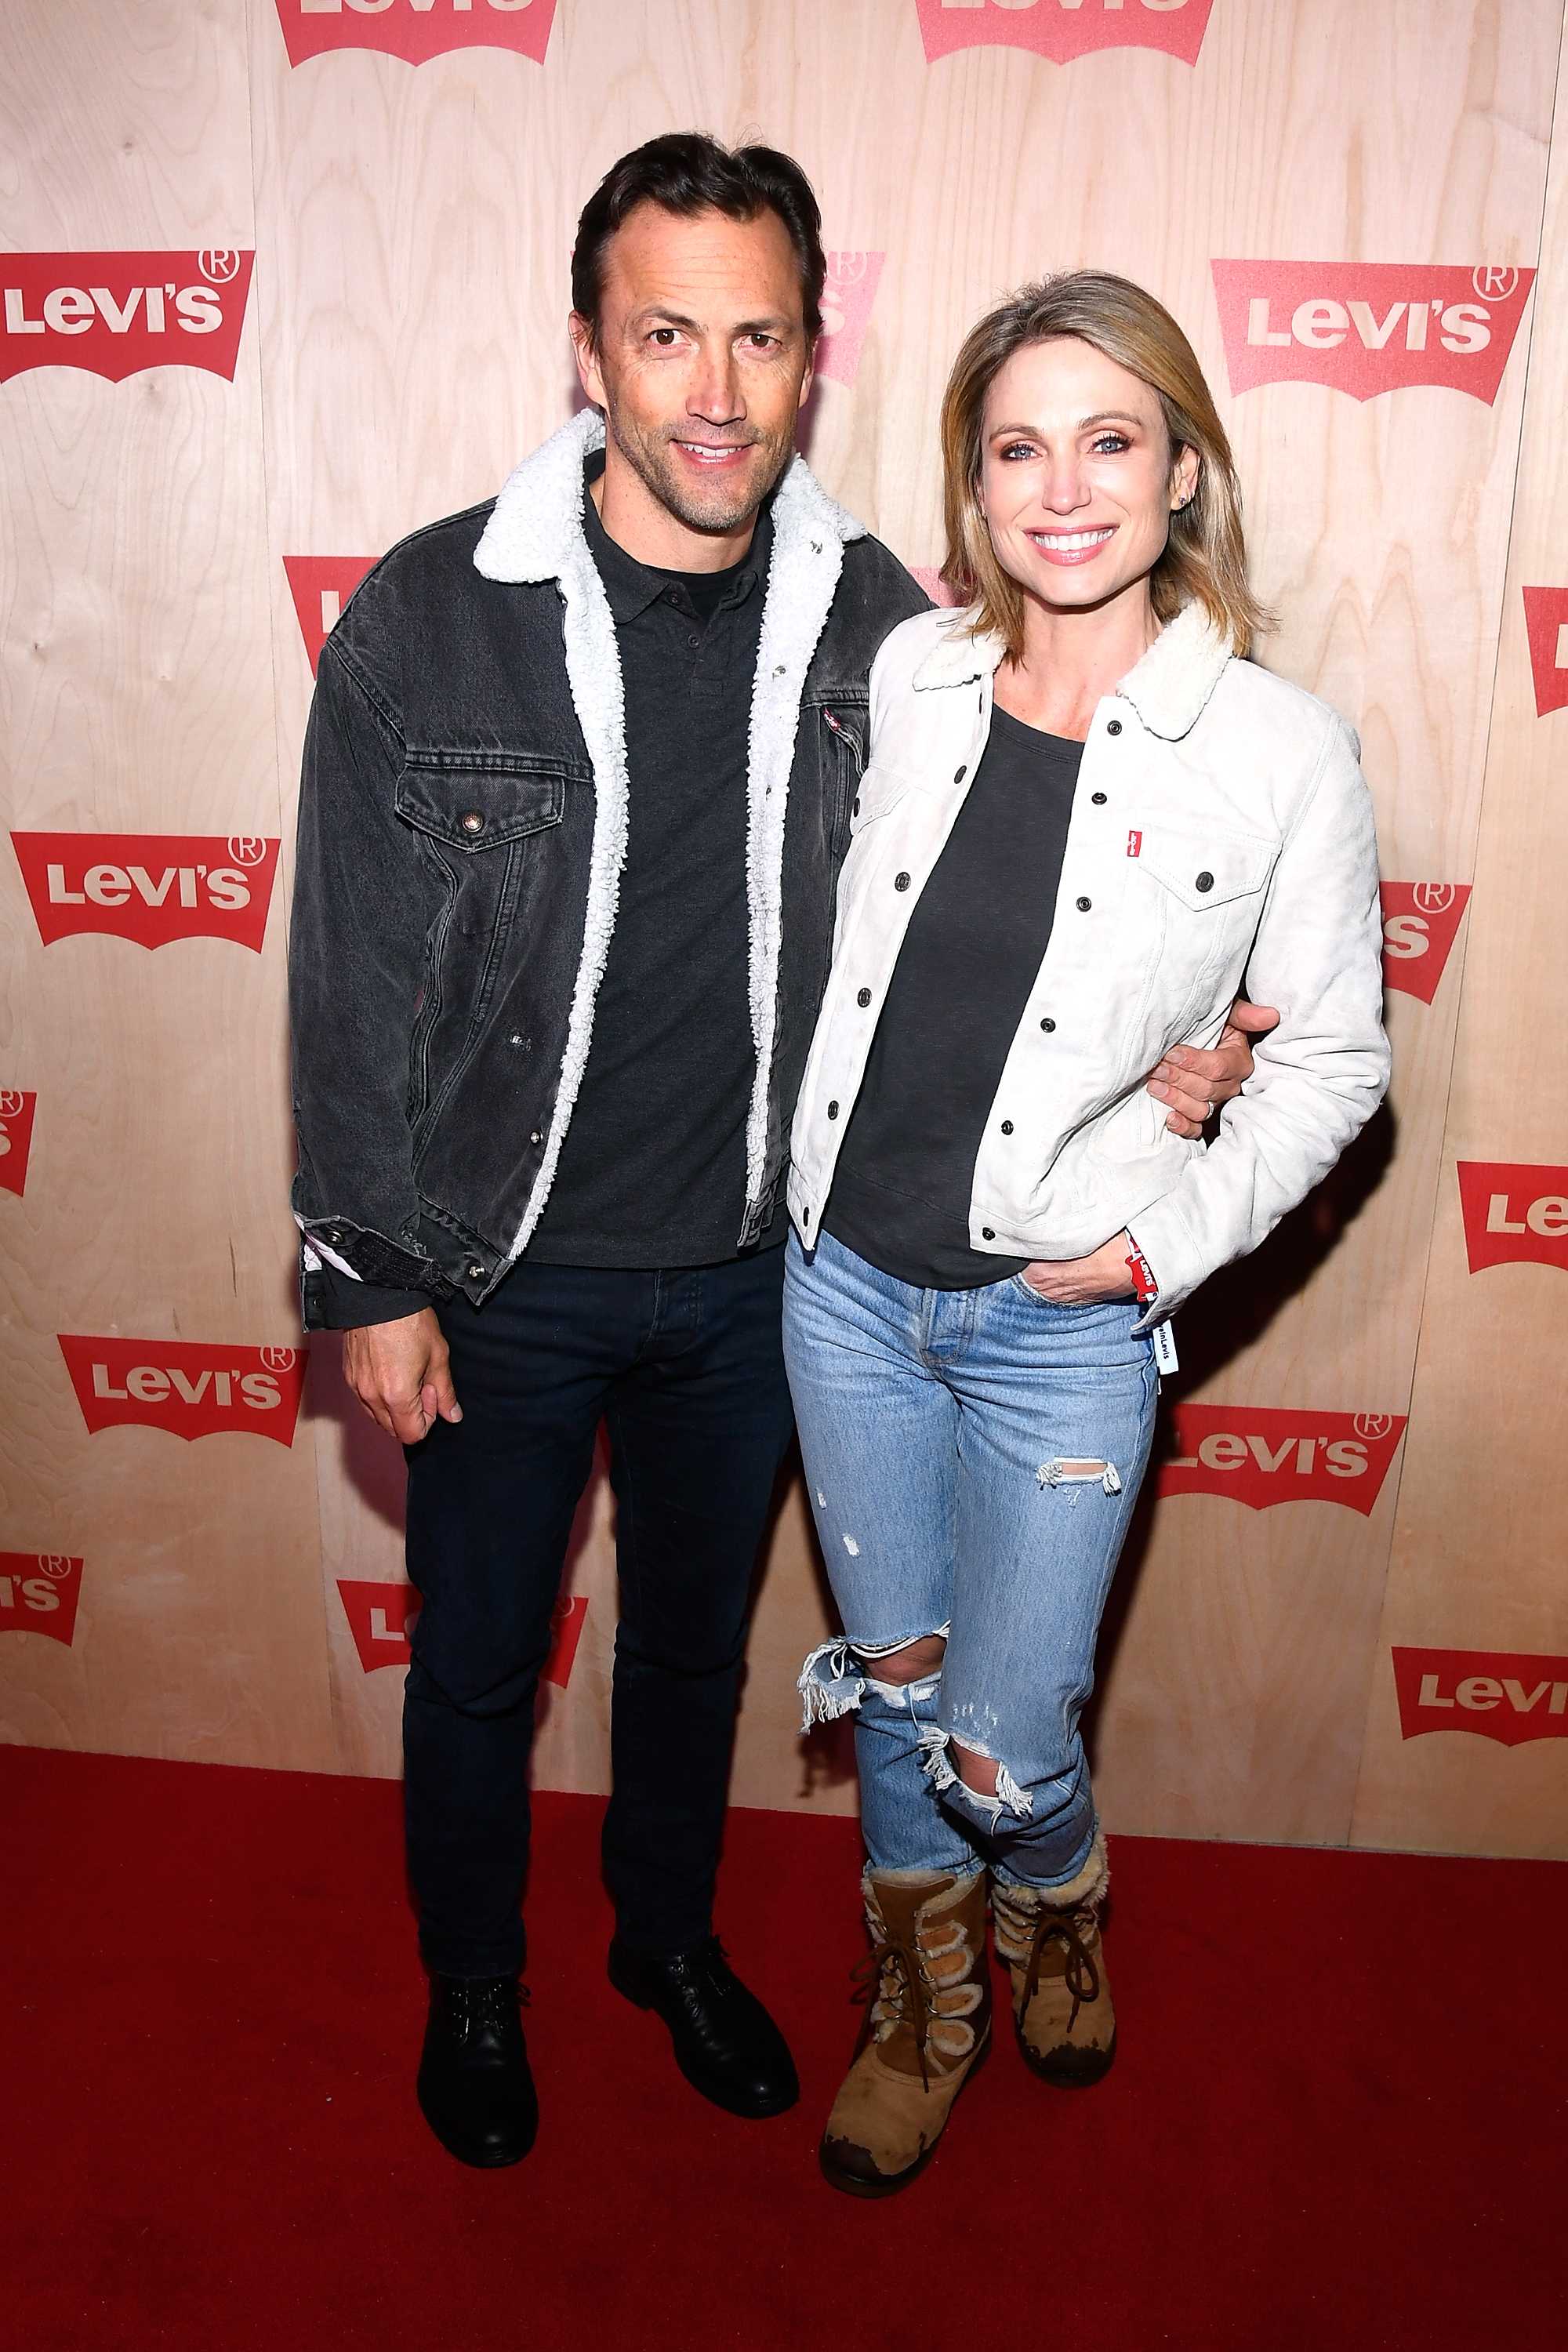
point(715, 393)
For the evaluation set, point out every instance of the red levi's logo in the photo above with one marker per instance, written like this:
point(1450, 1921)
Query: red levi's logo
point(1063, 29)
point(416, 30)
point(114, 314)
point(1369, 326)
point(1502, 1695)
point(1420, 923)
point(321, 586)
point(149, 887)
point(189, 1388)
point(1546, 625)
point(847, 299)
point(1262, 1454)
point(38, 1594)
point(15, 1138)
point(1513, 1210)
point(381, 1619)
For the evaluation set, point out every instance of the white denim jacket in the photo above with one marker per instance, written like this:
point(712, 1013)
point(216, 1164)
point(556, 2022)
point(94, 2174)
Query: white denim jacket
point(1220, 832)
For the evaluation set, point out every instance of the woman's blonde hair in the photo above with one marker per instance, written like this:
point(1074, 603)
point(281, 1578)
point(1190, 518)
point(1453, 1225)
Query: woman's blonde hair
point(1204, 559)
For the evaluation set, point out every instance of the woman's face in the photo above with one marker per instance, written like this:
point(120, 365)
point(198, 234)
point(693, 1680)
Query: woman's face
point(1076, 477)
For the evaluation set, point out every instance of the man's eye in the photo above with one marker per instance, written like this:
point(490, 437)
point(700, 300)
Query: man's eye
point(762, 342)
point(664, 337)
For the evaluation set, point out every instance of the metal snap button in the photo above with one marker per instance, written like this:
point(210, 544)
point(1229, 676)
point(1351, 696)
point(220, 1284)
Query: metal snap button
point(960, 773)
point(1007, 1126)
point(1113, 726)
point(1206, 880)
point(863, 998)
point(471, 821)
point(900, 881)
point(694, 642)
point(536, 1137)
point(987, 1233)
point(1099, 798)
point(1084, 905)
point(1047, 1024)
point(476, 1274)
point(833, 1110)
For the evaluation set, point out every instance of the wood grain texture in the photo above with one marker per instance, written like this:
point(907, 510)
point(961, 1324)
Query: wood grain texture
point(1477, 1554)
point(405, 347)
point(135, 696)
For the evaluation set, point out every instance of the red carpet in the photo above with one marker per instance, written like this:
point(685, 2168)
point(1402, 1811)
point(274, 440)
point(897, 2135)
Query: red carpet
point(1336, 2119)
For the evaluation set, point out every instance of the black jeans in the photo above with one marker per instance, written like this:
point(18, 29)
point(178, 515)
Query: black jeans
point(687, 1370)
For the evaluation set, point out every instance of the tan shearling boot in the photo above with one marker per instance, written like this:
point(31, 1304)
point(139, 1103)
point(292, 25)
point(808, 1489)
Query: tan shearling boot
point(928, 2026)
point(1049, 1938)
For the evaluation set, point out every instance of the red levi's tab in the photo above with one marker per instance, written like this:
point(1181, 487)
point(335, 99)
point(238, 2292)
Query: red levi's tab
point(1063, 29)
point(381, 1619)
point(15, 1138)
point(149, 887)
point(1509, 1695)
point(114, 314)
point(321, 586)
point(1546, 625)
point(416, 30)
point(190, 1388)
point(1369, 326)
point(1514, 1210)
point(1263, 1455)
point(38, 1594)
point(1420, 923)
point(847, 299)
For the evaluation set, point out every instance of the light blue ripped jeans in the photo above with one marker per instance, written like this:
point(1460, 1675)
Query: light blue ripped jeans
point(973, 1458)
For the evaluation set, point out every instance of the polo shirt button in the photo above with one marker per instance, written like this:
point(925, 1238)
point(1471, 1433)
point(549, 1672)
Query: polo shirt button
point(471, 821)
point(1084, 905)
point(900, 881)
point(1007, 1126)
point(863, 997)
point(1047, 1024)
point(833, 1110)
point(1205, 881)
point(1113, 726)
point(1099, 798)
point(987, 1233)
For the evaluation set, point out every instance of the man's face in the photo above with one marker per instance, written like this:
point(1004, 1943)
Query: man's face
point(701, 361)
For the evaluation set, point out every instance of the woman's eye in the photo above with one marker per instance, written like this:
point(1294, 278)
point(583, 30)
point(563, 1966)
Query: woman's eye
point(1111, 445)
point(1016, 451)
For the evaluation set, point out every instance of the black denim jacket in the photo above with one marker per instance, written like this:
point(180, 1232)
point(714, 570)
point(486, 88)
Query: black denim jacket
point(462, 788)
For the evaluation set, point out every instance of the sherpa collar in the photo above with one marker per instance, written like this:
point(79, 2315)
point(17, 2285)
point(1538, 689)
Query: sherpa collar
point(1168, 688)
point(535, 529)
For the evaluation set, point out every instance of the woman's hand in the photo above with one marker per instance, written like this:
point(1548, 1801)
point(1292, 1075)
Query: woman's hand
point(1085, 1281)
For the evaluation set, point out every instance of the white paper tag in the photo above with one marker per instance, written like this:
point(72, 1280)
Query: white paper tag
point(1165, 1358)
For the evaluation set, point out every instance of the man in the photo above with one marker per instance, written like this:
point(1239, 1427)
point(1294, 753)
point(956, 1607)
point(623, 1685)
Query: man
point(577, 782)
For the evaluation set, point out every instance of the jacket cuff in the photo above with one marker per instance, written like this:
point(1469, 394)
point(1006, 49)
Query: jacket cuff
point(1176, 1264)
point(330, 1301)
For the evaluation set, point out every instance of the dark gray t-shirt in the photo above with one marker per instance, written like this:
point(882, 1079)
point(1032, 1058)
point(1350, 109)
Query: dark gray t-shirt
point(972, 953)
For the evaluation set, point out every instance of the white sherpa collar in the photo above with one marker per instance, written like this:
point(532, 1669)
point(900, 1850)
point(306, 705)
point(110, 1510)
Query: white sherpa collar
point(534, 534)
point(1168, 688)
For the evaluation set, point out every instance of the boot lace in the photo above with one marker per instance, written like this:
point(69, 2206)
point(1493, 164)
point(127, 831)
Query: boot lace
point(890, 1975)
point(1082, 1975)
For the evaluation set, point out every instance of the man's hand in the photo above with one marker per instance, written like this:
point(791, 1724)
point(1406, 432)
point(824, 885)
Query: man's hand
point(1085, 1281)
point(1195, 1083)
point(399, 1373)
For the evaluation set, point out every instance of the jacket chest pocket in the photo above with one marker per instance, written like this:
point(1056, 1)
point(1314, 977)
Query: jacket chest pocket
point(1203, 894)
point(479, 800)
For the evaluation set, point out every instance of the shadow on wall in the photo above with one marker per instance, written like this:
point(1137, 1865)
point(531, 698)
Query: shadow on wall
point(1237, 1307)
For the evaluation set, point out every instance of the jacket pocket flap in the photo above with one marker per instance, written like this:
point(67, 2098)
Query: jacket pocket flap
point(482, 800)
point(880, 790)
point(1207, 868)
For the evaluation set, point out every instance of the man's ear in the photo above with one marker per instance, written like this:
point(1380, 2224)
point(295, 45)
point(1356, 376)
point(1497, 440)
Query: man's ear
point(584, 350)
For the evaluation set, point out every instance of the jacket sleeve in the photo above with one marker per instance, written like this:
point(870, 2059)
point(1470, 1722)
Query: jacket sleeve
point(364, 896)
point(1320, 1075)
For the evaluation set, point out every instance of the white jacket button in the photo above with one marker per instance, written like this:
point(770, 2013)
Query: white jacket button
point(1084, 905)
point(1099, 798)
point(863, 997)
point(1007, 1126)
point(900, 881)
point(987, 1233)
point(1113, 726)
point(960, 773)
point(1047, 1024)
point(833, 1110)
point(1205, 881)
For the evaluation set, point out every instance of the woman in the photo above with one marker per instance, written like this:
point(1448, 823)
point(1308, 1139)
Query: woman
point(1085, 816)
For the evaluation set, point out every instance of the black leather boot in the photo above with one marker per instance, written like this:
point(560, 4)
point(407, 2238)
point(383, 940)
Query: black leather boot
point(475, 2089)
point(726, 2044)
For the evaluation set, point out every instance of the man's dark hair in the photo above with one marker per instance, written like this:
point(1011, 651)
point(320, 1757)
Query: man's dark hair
point(688, 172)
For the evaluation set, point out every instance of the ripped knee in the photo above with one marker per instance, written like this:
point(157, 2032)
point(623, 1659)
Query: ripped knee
point(977, 1772)
point(838, 1673)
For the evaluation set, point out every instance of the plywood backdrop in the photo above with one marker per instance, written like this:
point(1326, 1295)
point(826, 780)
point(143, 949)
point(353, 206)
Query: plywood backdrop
point(196, 472)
